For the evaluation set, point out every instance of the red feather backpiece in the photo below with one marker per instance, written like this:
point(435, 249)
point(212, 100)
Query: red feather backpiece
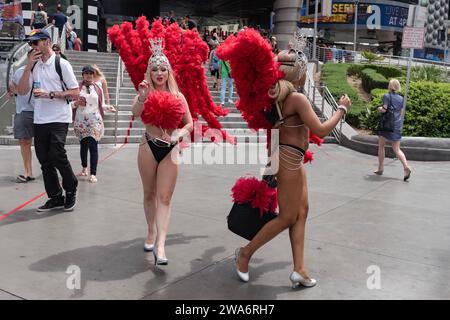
point(163, 109)
point(255, 192)
point(255, 71)
point(186, 52)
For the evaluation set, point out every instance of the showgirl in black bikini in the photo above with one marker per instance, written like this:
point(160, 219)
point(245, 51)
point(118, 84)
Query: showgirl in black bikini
point(158, 152)
point(293, 116)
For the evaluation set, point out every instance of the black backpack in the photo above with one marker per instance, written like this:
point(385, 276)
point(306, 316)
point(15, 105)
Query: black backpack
point(58, 71)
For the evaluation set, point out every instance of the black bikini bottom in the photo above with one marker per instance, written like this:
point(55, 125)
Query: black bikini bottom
point(294, 147)
point(159, 150)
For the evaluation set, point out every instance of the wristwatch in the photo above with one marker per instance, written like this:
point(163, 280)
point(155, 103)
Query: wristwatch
point(51, 95)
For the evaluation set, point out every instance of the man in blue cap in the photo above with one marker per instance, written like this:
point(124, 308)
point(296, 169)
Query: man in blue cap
point(54, 85)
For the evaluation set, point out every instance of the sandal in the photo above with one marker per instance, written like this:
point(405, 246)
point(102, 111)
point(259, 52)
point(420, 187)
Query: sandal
point(407, 174)
point(83, 173)
point(21, 179)
point(378, 172)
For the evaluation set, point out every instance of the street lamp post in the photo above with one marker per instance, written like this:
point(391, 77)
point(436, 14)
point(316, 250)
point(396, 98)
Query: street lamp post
point(356, 25)
point(316, 17)
point(446, 25)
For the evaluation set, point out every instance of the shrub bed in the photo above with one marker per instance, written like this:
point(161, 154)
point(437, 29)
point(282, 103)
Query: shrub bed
point(334, 76)
point(371, 79)
point(427, 110)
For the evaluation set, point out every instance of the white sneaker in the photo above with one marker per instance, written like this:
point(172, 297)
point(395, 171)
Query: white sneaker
point(230, 101)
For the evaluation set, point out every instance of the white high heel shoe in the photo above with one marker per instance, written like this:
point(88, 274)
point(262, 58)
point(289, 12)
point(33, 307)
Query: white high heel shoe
point(244, 276)
point(297, 280)
point(148, 247)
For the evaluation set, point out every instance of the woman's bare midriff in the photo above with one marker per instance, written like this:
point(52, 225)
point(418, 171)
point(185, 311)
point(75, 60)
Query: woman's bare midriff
point(293, 131)
point(155, 132)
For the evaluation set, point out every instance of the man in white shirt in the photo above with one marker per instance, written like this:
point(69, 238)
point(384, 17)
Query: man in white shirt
point(52, 115)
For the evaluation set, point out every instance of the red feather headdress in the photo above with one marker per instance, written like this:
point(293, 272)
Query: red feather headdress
point(186, 52)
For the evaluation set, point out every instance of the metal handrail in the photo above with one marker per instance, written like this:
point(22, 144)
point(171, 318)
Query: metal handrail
point(63, 39)
point(119, 82)
point(326, 97)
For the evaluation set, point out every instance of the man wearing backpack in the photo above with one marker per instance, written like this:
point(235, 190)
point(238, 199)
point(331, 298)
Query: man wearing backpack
point(54, 85)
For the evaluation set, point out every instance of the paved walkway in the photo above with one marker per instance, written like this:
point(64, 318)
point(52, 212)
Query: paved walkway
point(358, 222)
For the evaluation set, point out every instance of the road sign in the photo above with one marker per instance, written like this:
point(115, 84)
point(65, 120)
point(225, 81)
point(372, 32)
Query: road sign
point(413, 38)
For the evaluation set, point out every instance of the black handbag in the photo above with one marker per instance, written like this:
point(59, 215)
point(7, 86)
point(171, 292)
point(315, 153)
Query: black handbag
point(246, 221)
point(386, 122)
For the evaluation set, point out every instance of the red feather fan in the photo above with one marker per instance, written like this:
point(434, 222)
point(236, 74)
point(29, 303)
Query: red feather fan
point(163, 109)
point(256, 192)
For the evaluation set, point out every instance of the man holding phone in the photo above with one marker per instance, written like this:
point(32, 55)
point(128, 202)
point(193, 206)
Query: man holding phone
point(52, 89)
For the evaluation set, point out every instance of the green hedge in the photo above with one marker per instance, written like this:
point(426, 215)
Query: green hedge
point(427, 110)
point(371, 79)
point(334, 76)
point(387, 72)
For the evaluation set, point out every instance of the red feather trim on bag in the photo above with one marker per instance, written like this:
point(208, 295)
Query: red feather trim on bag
point(256, 192)
point(163, 109)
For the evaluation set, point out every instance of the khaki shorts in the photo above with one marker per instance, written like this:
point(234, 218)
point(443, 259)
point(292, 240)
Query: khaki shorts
point(23, 125)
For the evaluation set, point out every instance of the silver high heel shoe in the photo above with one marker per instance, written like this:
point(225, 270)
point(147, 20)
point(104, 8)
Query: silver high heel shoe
point(148, 247)
point(297, 280)
point(160, 261)
point(244, 276)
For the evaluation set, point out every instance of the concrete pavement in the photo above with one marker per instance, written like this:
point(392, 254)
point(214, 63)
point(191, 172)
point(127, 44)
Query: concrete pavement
point(360, 226)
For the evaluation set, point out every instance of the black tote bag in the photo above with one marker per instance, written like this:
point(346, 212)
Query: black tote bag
point(246, 221)
point(386, 122)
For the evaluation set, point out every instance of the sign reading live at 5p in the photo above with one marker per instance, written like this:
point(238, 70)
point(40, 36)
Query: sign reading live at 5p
point(377, 17)
point(413, 38)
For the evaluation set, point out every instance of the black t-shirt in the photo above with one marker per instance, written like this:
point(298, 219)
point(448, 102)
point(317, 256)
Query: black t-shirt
point(60, 19)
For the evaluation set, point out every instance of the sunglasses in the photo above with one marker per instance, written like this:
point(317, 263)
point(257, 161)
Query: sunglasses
point(33, 43)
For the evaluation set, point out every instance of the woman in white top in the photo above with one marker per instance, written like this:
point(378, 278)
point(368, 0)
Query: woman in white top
point(88, 120)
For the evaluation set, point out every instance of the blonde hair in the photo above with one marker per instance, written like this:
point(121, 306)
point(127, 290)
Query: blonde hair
point(98, 72)
point(394, 85)
point(285, 86)
point(171, 82)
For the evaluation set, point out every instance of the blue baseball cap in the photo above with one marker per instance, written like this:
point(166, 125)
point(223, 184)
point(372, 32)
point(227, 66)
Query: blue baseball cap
point(38, 34)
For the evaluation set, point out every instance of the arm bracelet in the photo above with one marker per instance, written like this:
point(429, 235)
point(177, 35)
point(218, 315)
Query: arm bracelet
point(342, 107)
